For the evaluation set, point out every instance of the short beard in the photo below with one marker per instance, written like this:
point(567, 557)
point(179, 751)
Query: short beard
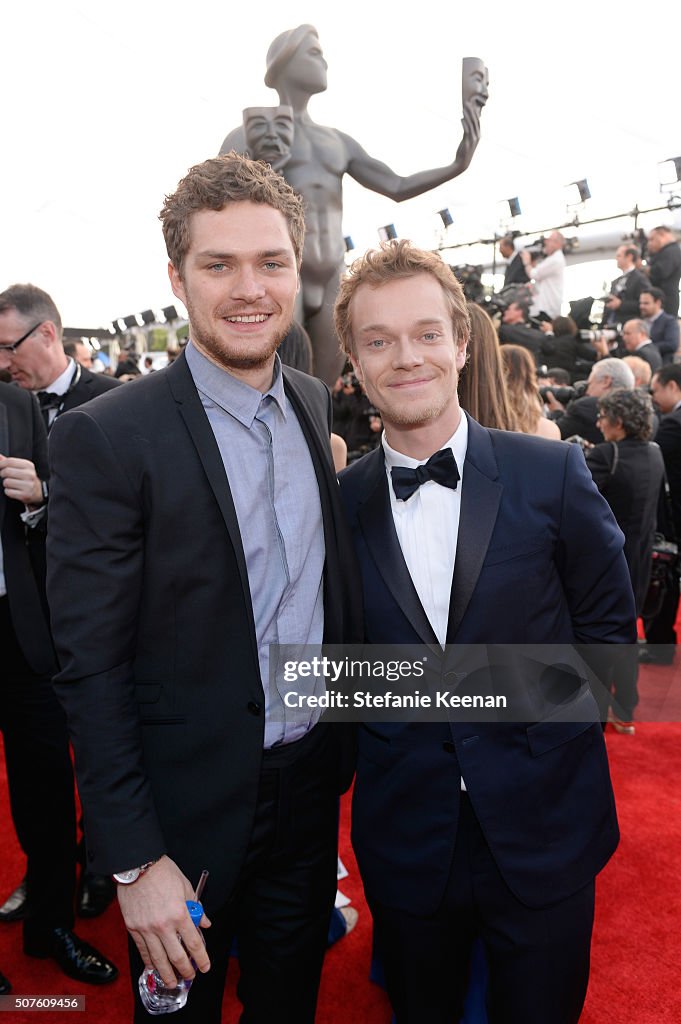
point(229, 360)
point(414, 418)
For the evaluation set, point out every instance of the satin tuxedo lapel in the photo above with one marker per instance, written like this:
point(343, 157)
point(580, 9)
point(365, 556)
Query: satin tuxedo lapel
point(480, 499)
point(192, 412)
point(377, 526)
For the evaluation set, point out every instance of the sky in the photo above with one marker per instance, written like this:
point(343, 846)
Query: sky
point(107, 105)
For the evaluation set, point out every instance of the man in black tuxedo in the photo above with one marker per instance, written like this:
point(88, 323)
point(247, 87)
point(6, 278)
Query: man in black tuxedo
point(470, 536)
point(195, 515)
point(663, 328)
point(38, 362)
point(664, 266)
point(515, 272)
point(622, 303)
point(39, 768)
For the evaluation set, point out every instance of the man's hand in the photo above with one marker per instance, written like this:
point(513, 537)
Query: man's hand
point(613, 302)
point(552, 403)
point(155, 913)
point(602, 347)
point(20, 481)
point(546, 326)
point(471, 137)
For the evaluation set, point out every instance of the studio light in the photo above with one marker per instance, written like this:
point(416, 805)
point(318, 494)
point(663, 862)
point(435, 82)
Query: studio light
point(580, 189)
point(446, 217)
point(349, 244)
point(148, 316)
point(514, 206)
point(130, 321)
point(387, 233)
point(670, 171)
point(170, 313)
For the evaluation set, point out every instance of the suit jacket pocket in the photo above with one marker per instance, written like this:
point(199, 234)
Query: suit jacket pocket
point(148, 693)
point(558, 729)
point(521, 548)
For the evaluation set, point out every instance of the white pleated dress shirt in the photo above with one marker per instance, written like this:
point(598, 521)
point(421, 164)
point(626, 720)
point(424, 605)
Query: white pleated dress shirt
point(427, 526)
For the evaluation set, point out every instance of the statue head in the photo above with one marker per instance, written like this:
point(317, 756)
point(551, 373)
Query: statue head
point(474, 82)
point(269, 134)
point(295, 60)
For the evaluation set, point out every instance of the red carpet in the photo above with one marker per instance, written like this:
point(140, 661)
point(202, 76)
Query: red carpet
point(636, 962)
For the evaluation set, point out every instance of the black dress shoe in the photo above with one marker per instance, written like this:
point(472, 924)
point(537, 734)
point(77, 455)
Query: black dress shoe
point(14, 907)
point(74, 956)
point(95, 893)
point(5, 986)
point(652, 656)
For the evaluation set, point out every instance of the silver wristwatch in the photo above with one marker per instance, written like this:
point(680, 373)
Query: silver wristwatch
point(128, 877)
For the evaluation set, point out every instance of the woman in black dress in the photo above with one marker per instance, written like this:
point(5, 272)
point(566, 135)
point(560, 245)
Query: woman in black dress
point(629, 472)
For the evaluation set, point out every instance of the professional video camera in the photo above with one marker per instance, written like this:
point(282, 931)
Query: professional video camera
point(470, 279)
point(609, 334)
point(499, 302)
point(563, 393)
point(536, 248)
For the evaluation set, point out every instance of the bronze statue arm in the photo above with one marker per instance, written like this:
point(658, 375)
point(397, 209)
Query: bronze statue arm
point(380, 178)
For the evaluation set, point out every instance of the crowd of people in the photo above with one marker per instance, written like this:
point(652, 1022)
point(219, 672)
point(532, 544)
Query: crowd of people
point(195, 515)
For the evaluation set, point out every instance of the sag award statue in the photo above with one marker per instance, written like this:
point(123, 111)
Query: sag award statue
point(313, 159)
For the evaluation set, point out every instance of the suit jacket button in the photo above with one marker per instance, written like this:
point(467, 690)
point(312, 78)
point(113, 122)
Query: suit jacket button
point(254, 707)
point(449, 747)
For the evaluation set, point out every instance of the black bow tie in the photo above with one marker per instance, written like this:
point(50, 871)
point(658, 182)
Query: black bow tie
point(440, 467)
point(48, 400)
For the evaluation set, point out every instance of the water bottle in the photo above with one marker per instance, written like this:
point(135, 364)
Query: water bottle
point(156, 997)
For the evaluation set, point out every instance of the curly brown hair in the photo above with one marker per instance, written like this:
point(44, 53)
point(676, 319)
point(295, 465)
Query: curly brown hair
point(213, 184)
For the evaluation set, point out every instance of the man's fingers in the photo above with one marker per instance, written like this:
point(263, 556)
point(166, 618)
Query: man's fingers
point(169, 959)
point(195, 948)
point(142, 948)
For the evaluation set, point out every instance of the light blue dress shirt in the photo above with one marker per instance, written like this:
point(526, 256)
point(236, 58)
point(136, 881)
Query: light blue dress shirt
point(276, 496)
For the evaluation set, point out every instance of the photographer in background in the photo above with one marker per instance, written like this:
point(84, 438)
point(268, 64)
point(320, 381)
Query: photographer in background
point(562, 346)
point(664, 266)
point(515, 328)
point(622, 303)
point(579, 417)
point(547, 275)
point(515, 272)
point(354, 417)
point(662, 327)
point(636, 341)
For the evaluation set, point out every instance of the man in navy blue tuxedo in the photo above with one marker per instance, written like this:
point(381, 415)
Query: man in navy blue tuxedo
point(663, 327)
point(470, 536)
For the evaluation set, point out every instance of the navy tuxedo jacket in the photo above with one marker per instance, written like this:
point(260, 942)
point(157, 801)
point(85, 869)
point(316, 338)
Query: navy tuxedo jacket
point(664, 333)
point(539, 561)
point(153, 621)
